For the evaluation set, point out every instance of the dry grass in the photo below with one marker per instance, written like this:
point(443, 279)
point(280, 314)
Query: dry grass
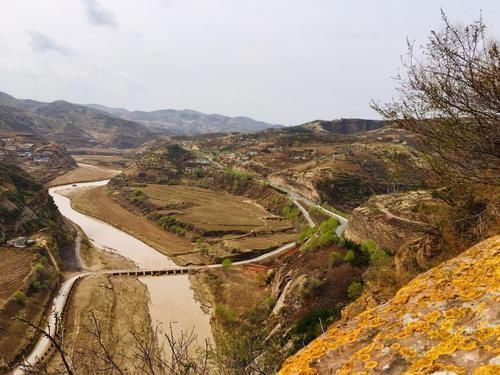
point(15, 267)
point(84, 174)
point(241, 289)
point(119, 303)
point(96, 202)
point(212, 210)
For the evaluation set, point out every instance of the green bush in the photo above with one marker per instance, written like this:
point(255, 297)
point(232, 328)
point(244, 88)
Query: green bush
point(329, 225)
point(354, 290)
point(313, 323)
point(378, 255)
point(368, 246)
point(225, 313)
point(324, 234)
point(327, 238)
point(270, 302)
point(227, 265)
point(306, 233)
point(20, 297)
point(290, 211)
point(350, 256)
point(335, 259)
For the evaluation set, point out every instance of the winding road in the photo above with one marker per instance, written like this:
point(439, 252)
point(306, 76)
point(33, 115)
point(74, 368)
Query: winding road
point(42, 347)
point(295, 197)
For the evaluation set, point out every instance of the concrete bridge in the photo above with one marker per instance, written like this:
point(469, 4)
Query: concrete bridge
point(159, 272)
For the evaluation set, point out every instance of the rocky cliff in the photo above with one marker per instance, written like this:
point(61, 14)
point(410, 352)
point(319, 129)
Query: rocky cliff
point(444, 321)
point(404, 224)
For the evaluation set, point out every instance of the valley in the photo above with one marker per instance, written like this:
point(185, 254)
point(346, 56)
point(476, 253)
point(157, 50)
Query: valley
point(239, 230)
point(189, 243)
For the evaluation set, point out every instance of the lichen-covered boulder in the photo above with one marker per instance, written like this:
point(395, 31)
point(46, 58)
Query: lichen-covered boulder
point(444, 321)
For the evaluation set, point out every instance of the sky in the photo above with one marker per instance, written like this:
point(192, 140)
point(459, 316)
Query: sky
point(279, 61)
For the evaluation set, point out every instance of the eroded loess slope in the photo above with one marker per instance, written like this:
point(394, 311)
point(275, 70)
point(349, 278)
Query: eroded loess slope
point(443, 320)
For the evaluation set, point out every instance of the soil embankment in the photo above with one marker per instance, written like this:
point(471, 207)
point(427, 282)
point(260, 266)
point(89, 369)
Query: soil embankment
point(97, 203)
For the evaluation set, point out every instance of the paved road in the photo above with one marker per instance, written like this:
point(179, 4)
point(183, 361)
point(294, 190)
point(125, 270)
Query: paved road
point(297, 197)
point(59, 302)
point(309, 220)
point(58, 305)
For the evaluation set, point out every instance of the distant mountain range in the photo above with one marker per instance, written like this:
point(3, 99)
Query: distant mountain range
point(76, 125)
point(70, 124)
point(187, 121)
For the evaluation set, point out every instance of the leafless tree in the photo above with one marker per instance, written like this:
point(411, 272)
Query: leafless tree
point(101, 355)
point(449, 98)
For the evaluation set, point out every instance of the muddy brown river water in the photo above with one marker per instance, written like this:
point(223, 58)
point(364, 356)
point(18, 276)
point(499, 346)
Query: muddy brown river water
point(171, 298)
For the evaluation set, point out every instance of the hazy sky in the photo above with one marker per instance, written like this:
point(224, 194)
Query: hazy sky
point(281, 61)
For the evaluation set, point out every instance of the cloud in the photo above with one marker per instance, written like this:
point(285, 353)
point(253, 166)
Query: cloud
point(41, 43)
point(97, 15)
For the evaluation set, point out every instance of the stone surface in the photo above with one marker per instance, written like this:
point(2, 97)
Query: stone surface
point(444, 321)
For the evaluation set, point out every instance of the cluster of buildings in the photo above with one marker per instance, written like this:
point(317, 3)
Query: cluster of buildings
point(12, 148)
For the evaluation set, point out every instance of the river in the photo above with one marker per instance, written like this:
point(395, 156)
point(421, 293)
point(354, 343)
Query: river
point(171, 298)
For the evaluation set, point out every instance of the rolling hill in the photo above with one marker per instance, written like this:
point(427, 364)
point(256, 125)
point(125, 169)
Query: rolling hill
point(70, 124)
point(188, 122)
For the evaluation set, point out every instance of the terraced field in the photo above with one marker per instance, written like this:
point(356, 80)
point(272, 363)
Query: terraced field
point(213, 210)
point(263, 242)
point(15, 266)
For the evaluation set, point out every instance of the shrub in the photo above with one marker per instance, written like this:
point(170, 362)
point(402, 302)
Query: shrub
point(369, 249)
point(368, 246)
point(335, 259)
point(324, 234)
point(225, 313)
point(327, 238)
point(377, 255)
point(314, 323)
point(354, 290)
point(237, 175)
point(350, 256)
point(290, 211)
point(329, 225)
point(227, 265)
point(306, 233)
point(20, 297)
point(270, 302)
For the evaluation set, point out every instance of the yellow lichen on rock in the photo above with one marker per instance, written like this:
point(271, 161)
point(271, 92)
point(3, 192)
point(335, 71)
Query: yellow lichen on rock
point(443, 320)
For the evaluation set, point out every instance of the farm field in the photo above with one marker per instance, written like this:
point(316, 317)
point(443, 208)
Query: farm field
point(105, 161)
point(96, 202)
point(15, 266)
point(213, 210)
point(15, 336)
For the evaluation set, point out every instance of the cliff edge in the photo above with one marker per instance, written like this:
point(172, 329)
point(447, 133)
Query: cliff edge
point(444, 320)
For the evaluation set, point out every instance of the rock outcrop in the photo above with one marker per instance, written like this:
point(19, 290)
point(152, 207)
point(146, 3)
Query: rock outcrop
point(404, 224)
point(444, 321)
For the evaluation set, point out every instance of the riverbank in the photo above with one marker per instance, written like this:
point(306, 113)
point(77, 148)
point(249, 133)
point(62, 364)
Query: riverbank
point(167, 299)
point(120, 306)
point(84, 173)
point(97, 203)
